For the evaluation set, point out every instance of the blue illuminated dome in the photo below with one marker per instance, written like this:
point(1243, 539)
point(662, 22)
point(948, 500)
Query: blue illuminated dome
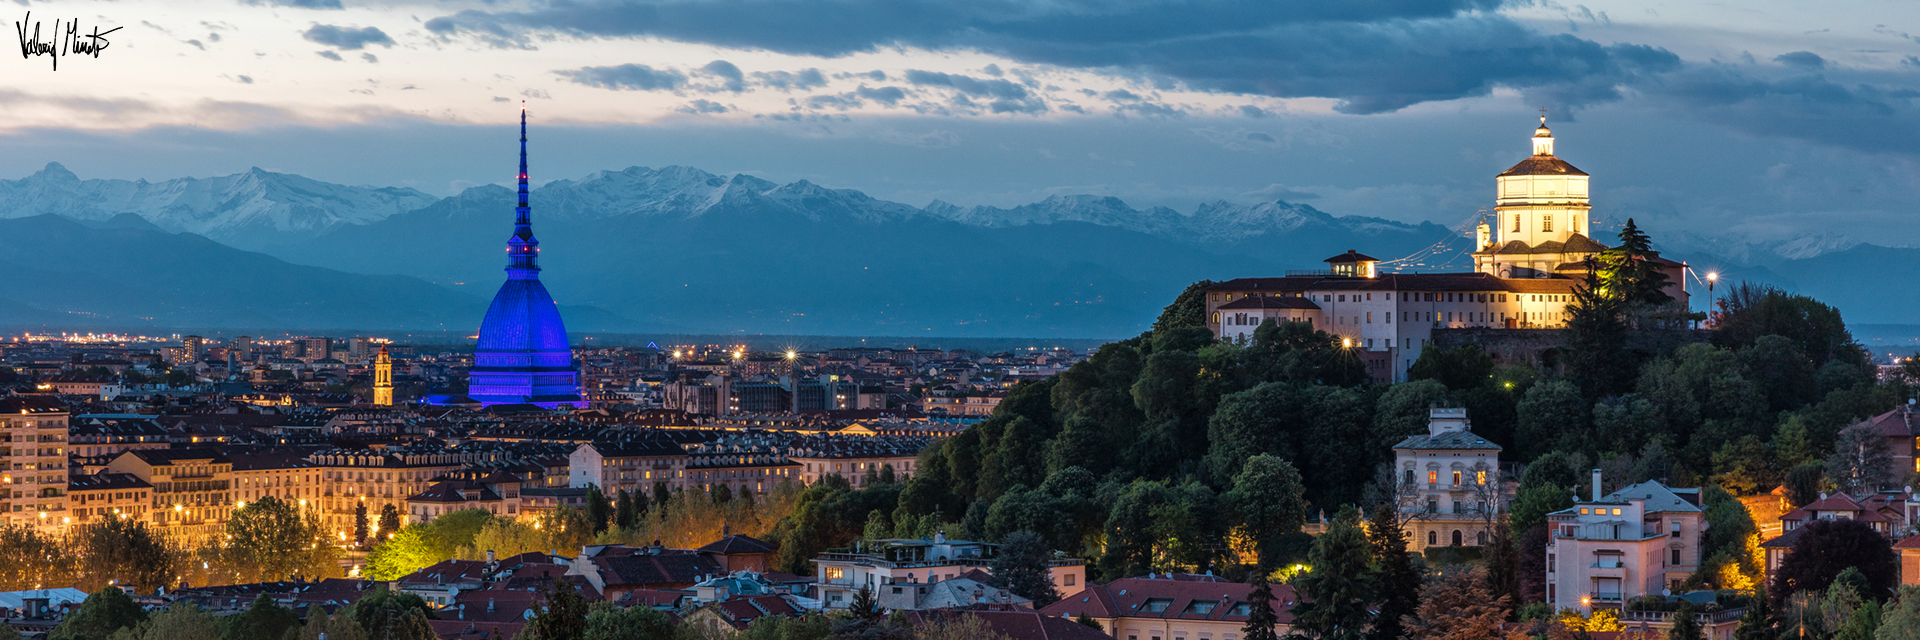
point(522, 356)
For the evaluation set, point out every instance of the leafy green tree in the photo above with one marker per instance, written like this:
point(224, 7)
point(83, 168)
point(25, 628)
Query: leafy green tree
point(1130, 528)
point(562, 616)
point(1261, 619)
point(1399, 579)
point(1826, 548)
point(125, 552)
point(179, 621)
point(265, 619)
point(1270, 502)
point(1259, 421)
point(1549, 414)
point(1404, 410)
point(1019, 458)
point(1189, 309)
point(1804, 483)
point(1755, 624)
point(1781, 370)
point(1860, 461)
point(1457, 606)
point(1745, 466)
point(273, 539)
point(383, 613)
point(1459, 368)
point(1339, 592)
point(1900, 622)
point(105, 611)
point(339, 626)
point(1022, 567)
point(630, 623)
point(420, 545)
point(1863, 624)
point(32, 560)
point(1749, 311)
point(879, 526)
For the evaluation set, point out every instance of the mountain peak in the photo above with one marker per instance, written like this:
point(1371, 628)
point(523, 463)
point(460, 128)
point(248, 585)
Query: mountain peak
point(56, 172)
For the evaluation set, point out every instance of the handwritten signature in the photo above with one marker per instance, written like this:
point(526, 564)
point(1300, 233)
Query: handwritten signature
point(87, 44)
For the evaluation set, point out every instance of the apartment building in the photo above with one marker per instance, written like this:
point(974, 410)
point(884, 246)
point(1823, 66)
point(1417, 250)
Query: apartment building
point(1640, 540)
point(1450, 488)
point(877, 564)
point(33, 462)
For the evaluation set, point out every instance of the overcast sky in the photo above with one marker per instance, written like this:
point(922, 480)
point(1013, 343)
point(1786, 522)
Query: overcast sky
point(1761, 119)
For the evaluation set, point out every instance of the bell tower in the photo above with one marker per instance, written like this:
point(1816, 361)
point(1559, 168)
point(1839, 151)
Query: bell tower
point(383, 378)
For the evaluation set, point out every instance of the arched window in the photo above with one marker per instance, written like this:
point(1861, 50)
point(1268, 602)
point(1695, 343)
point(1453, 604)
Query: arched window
point(1456, 537)
point(1480, 538)
point(1433, 538)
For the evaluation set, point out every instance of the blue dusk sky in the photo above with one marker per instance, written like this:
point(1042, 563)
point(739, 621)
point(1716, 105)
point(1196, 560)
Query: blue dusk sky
point(1759, 120)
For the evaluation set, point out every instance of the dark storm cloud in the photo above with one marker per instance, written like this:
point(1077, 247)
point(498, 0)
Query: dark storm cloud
point(1872, 112)
point(635, 77)
point(1373, 55)
point(347, 38)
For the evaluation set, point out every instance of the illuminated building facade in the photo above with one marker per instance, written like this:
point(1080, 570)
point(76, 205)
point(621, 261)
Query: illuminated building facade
point(383, 378)
point(522, 356)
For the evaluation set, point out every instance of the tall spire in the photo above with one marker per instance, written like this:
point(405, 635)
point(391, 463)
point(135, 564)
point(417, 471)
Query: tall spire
point(522, 248)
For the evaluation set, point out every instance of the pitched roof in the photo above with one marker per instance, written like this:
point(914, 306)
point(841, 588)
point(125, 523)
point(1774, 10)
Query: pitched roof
point(1448, 440)
point(1270, 302)
point(1017, 625)
point(737, 543)
point(1656, 497)
point(650, 569)
point(1351, 256)
point(1473, 281)
point(1129, 598)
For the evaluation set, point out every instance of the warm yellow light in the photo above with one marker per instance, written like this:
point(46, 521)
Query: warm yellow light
point(303, 502)
point(1713, 275)
point(1346, 342)
point(240, 504)
point(791, 355)
point(176, 507)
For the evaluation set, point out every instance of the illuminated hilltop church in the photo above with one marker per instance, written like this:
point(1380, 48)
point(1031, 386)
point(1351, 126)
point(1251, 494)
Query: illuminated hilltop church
point(522, 356)
point(1525, 280)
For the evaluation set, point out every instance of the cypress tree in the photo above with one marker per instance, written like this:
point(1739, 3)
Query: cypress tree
point(1260, 616)
point(1399, 579)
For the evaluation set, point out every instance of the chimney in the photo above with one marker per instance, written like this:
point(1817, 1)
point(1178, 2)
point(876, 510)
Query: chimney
point(489, 605)
point(490, 559)
point(1596, 485)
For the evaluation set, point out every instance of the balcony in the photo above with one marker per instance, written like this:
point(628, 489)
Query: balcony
point(1715, 617)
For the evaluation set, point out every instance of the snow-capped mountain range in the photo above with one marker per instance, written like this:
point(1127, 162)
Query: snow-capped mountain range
point(248, 210)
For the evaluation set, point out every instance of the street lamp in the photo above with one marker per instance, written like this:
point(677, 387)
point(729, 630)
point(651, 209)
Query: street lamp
point(1712, 277)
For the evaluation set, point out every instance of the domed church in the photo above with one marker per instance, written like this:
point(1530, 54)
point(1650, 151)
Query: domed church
point(1541, 215)
point(522, 356)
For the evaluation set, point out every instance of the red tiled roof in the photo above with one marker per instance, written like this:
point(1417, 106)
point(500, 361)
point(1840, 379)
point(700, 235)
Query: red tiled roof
point(1543, 165)
point(1128, 598)
point(1017, 625)
point(737, 543)
point(1270, 302)
point(1911, 542)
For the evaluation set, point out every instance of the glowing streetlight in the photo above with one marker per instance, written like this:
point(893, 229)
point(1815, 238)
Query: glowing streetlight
point(1346, 343)
point(791, 355)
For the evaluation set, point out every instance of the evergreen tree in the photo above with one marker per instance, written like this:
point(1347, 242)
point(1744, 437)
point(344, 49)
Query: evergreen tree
point(1597, 340)
point(623, 513)
point(722, 494)
point(661, 493)
point(1084, 620)
point(1260, 616)
point(1631, 271)
point(1340, 590)
point(1399, 578)
point(865, 605)
point(1022, 567)
point(1900, 622)
point(360, 523)
point(1755, 625)
point(1502, 557)
point(1685, 627)
point(389, 518)
point(563, 616)
point(599, 512)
